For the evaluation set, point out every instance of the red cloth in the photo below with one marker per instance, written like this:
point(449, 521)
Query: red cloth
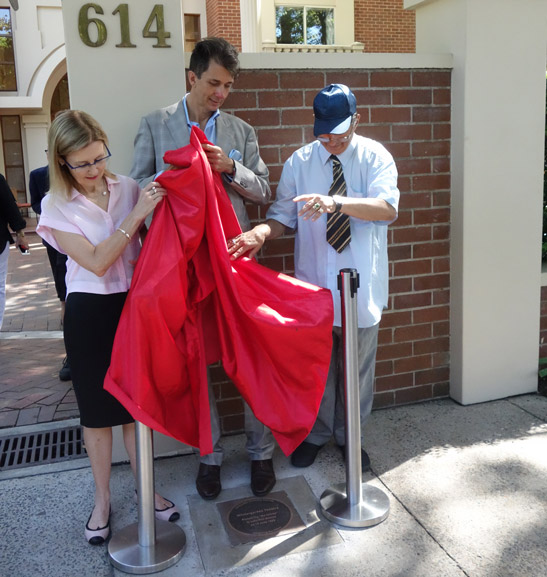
point(190, 305)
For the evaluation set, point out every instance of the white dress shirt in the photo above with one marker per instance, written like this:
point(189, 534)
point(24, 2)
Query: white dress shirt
point(370, 172)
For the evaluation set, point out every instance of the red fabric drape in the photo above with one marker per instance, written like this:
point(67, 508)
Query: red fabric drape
point(190, 305)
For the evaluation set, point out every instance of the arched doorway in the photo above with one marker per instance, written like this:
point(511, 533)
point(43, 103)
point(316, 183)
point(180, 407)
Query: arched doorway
point(60, 99)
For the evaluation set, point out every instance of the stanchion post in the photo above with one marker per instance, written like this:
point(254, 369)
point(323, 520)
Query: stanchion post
point(353, 503)
point(145, 486)
point(148, 546)
point(348, 283)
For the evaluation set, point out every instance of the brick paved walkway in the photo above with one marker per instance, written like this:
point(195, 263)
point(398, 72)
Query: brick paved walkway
point(31, 344)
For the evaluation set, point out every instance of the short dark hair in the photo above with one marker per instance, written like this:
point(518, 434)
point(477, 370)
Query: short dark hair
point(217, 49)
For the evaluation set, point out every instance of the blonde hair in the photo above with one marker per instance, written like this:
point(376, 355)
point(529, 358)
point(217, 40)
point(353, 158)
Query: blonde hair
point(71, 130)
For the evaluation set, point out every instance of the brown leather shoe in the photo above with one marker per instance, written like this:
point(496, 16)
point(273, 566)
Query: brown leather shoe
point(208, 481)
point(262, 477)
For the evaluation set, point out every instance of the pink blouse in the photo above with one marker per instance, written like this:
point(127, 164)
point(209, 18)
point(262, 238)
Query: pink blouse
point(81, 216)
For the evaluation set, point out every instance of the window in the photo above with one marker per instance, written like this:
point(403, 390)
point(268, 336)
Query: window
point(304, 25)
point(8, 81)
point(192, 31)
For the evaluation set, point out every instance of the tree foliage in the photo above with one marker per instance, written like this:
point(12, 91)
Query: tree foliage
point(289, 25)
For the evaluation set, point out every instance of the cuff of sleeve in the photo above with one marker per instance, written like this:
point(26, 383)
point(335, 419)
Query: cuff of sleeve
point(230, 177)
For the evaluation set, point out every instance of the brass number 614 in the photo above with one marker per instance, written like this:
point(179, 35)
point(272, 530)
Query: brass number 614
point(84, 23)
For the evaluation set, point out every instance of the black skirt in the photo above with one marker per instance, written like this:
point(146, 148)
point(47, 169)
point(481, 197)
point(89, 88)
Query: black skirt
point(89, 327)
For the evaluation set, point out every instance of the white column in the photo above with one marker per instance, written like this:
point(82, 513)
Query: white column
point(498, 120)
point(250, 41)
point(119, 85)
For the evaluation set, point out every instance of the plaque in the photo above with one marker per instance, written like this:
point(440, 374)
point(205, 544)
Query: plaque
point(259, 518)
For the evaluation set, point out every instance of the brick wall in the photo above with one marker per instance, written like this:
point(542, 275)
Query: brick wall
point(384, 26)
point(224, 19)
point(409, 112)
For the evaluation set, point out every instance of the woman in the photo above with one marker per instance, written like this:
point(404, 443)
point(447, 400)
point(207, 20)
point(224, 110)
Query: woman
point(9, 215)
point(95, 218)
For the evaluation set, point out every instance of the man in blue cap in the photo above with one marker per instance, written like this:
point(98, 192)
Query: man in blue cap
point(339, 193)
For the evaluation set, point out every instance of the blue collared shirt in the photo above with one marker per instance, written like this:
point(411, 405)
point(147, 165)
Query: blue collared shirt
point(211, 126)
point(370, 172)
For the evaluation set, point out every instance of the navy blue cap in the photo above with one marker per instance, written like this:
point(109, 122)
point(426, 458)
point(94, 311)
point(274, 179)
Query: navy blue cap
point(333, 108)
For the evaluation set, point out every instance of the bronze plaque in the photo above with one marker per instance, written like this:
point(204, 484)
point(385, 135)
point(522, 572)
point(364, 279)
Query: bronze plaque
point(259, 518)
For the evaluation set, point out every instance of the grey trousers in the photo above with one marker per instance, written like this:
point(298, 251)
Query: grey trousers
point(260, 442)
point(331, 416)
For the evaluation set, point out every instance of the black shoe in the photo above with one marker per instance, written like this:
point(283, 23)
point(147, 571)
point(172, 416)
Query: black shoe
point(262, 477)
point(365, 459)
point(305, 454)
point(64, 373)
point(208, 481)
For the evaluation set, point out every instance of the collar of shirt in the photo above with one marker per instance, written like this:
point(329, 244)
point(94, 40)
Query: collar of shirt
point(344, 158)
point(210, 127)
point(109, 183)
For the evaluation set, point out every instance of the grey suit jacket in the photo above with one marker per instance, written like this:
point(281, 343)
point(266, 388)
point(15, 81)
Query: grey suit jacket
point(166, 129)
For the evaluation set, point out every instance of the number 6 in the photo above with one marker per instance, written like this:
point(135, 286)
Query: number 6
point(84, 22)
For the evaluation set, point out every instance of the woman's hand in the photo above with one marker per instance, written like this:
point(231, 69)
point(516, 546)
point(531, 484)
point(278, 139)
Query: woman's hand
point(151, 195)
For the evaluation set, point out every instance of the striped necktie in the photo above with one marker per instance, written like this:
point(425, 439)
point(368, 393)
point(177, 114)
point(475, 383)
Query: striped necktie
point(338, 230)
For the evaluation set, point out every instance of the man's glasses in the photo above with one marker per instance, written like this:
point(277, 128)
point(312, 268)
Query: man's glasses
point(89, 164)
point(339, 139)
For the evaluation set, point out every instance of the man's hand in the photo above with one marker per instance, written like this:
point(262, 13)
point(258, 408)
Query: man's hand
point(315, 205)
point(247, 242)
point(217, 159)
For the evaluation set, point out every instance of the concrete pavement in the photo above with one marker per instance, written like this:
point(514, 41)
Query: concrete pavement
point(467, 488)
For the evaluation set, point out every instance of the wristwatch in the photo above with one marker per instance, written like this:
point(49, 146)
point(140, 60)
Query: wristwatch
point(337, 206)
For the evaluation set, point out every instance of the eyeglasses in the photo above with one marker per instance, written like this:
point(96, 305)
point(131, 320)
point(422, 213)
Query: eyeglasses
point(89, 164)
point(339, 139)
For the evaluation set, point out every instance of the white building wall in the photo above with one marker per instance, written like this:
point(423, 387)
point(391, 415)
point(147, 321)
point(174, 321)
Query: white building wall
point(39, 49)
point(40, 63)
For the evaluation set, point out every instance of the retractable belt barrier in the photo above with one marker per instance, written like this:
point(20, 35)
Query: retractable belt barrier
point(353, 503)
point(148, 546)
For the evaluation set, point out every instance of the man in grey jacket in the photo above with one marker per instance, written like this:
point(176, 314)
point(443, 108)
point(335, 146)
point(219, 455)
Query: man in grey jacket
point(214, 65)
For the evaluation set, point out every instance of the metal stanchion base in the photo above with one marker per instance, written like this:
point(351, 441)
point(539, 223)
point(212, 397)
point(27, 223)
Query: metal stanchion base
point(127, 555)
point(373, 508)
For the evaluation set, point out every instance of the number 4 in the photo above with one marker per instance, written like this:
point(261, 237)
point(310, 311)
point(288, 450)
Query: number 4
point(160, 34)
